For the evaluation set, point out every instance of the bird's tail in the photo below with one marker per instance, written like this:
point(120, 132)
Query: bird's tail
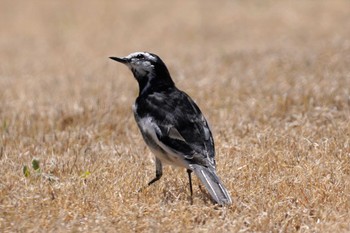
point(212, 182)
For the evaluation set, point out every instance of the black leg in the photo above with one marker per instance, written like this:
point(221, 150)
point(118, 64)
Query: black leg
point(190, 181)
point(159, 172)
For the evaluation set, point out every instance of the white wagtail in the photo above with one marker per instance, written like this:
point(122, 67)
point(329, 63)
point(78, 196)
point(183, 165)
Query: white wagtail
point(172, 125)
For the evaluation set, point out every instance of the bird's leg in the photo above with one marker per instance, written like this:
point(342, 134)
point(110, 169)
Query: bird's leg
point(189, 171)
point(159, 172)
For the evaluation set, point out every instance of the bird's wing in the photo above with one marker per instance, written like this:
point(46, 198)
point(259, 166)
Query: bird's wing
point(180, 126)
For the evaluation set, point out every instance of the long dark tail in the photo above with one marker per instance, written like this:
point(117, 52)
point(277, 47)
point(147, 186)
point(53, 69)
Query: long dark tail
point(213, 184)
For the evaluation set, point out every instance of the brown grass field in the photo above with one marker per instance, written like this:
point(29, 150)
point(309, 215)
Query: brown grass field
point(272, 78)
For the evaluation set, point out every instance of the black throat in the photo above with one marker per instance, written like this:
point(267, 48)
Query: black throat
point(155, 81)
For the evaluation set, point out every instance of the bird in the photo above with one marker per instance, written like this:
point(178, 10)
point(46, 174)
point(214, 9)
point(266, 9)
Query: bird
point(172, 125)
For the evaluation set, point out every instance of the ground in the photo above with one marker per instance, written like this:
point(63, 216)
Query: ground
point(272, 78)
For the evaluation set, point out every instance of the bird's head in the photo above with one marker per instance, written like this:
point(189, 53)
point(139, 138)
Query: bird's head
point(148, 69)
point(140, 63)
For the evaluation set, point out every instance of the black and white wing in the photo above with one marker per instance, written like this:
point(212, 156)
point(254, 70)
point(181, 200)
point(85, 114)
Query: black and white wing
point(173, 121)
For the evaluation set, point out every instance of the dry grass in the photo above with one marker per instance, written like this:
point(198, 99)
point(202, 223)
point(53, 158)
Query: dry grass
point(273, 79)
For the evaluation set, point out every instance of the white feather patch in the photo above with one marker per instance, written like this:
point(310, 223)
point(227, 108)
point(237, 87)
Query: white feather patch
point(174, 134)
point(150, 128)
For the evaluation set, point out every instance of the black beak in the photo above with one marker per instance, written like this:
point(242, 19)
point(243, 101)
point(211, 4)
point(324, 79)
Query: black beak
point(121, 60)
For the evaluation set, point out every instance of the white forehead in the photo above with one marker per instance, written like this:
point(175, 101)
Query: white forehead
point(147, 55)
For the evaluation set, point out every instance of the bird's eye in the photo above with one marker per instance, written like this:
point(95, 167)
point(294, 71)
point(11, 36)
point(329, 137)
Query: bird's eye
point(140, 56)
